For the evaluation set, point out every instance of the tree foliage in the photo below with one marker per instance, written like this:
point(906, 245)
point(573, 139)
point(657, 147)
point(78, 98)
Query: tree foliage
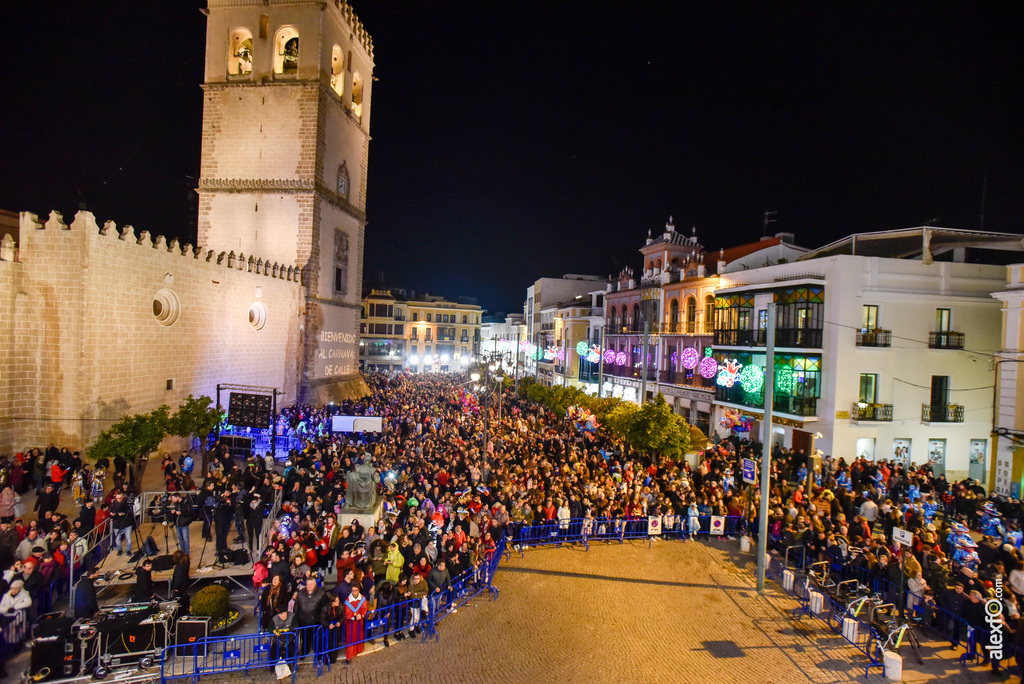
point(652, 428)
point(141, 433)
point(197, 417)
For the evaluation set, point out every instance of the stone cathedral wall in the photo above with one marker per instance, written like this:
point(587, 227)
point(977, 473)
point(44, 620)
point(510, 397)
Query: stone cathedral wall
point(96, 322)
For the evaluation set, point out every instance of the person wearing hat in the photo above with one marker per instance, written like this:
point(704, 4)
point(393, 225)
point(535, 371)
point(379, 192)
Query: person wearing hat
point(143, 590)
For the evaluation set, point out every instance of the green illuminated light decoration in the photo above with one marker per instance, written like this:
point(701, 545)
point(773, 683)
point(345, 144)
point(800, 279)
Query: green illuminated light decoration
point(752, 378)
point(784, 380)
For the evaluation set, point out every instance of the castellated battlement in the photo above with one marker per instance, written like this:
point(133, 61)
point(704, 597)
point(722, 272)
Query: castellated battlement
point(97, 321)
point(85, 225)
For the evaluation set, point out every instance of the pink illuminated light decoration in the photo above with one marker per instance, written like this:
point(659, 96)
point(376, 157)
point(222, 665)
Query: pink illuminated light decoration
point(690, 358)
point(620, 358)
point(561, 355)
point(708, 367)
point(609, 356)
point(675, 358)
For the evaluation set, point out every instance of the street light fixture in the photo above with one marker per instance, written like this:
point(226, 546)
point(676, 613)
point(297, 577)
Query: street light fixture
point(474, 376)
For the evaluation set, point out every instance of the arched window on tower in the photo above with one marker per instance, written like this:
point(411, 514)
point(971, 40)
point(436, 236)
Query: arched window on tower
point(709, 314)
point(673, 316)
point(637, 324)
point(286, 50)
point(338, 70)
point(691, 315)
point(343, 184)
point(625, 319)
point(357, 95)
point(240, 52)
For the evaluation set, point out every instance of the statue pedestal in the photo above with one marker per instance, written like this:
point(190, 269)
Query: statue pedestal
point(367, 517)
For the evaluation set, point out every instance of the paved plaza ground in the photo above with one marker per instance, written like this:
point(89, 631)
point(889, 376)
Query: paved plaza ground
point(677, 612)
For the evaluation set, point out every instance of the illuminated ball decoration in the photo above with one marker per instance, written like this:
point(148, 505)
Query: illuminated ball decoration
point(675, 358)
point(784, 380)
point(708, 367)
point(609, 356)
point(561, 354)
point(620, 358)
point(690, 358)
point(751, 378)
point(582, 348)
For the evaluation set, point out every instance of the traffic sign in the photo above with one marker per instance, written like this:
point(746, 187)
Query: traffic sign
point(901, 536)
point(749, 470)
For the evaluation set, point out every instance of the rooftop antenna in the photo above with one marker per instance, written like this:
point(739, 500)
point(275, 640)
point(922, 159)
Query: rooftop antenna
point(769, 218)
point(984, 188)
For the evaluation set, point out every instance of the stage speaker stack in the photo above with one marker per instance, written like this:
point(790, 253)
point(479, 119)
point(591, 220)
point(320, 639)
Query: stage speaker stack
point(55, 654)
point(190, 630)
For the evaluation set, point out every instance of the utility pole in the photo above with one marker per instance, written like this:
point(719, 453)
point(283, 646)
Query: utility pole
point(565, 356)
point(769, 218)
point(536, 357)
point(766, 446)
point(643, 363)
point(516, 371)
point(600, 365)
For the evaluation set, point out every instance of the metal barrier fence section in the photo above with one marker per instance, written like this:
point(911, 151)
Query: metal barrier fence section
point(318, 647)
point(586, 530)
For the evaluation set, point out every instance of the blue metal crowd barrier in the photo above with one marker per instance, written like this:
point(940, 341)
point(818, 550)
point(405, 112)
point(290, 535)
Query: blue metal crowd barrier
point(585, 530)
point(320, 646)
point(222, 655)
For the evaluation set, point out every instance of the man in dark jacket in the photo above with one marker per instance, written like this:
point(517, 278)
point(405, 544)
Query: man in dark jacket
point(86, 604)
point(123, 520)
point(87, 516)
point(143, 591)
point(308, 610)
point(48, 500)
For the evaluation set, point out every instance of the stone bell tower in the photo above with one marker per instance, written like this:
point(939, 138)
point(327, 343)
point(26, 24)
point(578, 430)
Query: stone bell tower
point(286, 131)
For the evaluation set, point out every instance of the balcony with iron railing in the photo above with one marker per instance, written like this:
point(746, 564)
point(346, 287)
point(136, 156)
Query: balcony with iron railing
point(806, 338)
point(871, 413)
point(783, 403)
point(945, 340)
point(942, 413)
point(874, 338)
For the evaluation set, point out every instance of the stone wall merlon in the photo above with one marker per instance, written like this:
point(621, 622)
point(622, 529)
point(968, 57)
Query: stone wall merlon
point(85, 225)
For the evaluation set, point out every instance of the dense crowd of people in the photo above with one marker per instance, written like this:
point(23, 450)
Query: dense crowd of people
point(448, 497)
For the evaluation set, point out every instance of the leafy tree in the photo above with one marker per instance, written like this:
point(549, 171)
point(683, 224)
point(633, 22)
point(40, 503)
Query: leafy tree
point(195, 418)
point(657, 430)
point(132, 436)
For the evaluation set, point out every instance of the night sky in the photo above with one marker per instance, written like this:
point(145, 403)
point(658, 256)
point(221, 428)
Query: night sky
point(518, 140)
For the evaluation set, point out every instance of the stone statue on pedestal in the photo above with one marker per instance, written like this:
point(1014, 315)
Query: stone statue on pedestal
point(361, 491)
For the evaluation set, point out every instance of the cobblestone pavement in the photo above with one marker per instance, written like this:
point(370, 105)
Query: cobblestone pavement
point(677, 612)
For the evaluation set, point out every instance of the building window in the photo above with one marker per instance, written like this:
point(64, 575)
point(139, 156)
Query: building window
point(240, 52)
point(942, 320)
point(399, 328)
point(257, 315)
point(286, 51)
point(691, 315)
point(340, 262)
point(465, 318)
point(870, 318)
point(357, 95)
point(338, 70)
point(412, 333)
point(673, 315)
point(415, 316)
point(428, 317)
point(868, 388)
point(166, 307)
point(343, 183)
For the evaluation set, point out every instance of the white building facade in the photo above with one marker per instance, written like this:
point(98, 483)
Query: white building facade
point(887, 358)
